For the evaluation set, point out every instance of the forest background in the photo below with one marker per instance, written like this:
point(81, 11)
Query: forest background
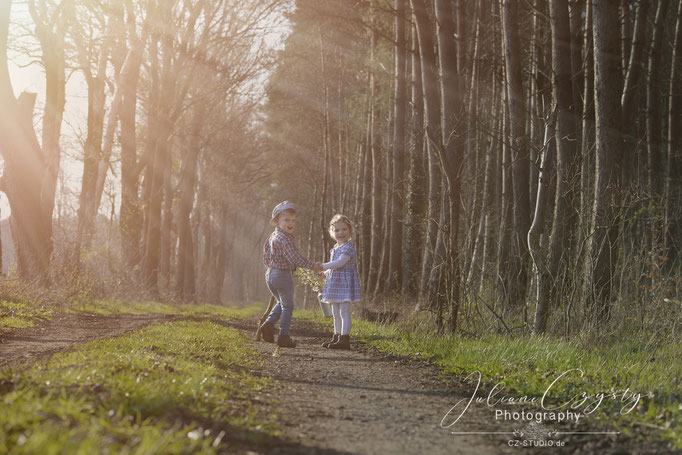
point(511, 167)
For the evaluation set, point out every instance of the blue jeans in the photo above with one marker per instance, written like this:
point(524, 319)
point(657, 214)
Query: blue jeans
point(281, 285)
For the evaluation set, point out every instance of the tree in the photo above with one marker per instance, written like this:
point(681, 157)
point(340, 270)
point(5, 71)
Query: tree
point(607, 84)
point(399, 122)
point(51, 29)
point(517, 282)
point(25, 170)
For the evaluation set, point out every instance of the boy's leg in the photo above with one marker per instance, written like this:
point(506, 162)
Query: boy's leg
point(274, 315)
point(284, 283)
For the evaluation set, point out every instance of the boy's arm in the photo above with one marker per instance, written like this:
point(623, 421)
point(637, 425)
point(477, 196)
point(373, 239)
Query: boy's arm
point(292, 254)
point(266, 253)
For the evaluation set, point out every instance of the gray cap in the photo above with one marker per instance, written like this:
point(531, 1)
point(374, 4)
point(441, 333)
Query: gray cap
point(282, 206)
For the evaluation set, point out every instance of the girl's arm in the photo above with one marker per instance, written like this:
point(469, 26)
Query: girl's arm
point(336, 264)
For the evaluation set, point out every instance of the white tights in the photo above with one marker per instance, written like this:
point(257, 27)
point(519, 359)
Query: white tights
point(341, 312)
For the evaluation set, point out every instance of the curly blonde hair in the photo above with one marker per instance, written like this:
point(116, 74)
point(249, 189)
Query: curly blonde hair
point(339, 218)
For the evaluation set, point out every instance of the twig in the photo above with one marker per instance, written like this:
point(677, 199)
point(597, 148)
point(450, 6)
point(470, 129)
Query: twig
point(264, 317)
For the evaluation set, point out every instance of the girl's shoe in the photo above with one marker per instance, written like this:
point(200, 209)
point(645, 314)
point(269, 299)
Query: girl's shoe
point(343, 343)
point(334, 339)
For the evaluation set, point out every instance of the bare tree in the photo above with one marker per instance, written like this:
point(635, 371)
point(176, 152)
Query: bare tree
point(50, 28)
point(24, 171)
point(607, 83)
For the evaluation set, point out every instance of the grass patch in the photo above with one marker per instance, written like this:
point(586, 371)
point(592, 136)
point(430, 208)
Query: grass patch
point(113, 307)
point(527, 366)
point(174, 388)
point(16, 315)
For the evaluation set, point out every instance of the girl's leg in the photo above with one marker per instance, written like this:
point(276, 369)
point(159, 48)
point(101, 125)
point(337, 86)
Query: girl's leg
point(344, 338)
point(345, 318)
point(336, 311)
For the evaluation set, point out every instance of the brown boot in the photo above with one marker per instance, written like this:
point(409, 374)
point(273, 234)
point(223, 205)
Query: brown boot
point(267, 331)
point(285, 341)
point(334, 339)
point(343, 343)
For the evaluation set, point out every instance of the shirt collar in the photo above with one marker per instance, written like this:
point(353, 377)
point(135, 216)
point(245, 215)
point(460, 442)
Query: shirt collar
point(280, 230)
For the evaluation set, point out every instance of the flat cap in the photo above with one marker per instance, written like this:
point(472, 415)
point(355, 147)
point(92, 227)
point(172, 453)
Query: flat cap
point(282, 206)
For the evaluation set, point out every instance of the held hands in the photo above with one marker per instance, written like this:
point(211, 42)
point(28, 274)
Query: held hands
point(317, 267)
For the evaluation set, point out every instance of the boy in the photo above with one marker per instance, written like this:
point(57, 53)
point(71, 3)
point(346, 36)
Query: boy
point(281, 257)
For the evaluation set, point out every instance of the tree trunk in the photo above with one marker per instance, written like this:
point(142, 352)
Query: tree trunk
point(328, 187)
point(51, 32)
point(478, 255)
point(184, 271)
point(517, 282)
point(128, 76)
point(159, 158)
point(24, 170)
point(653, 110)
point(566, 138)
point(607, 83)
point(384, 237)
point(374, 255)
point(166, 249)
point(225, 249)
point(673, 196)
point(432, 108)
point(417, 183)
point(543, 272)
point(632, 81)
point(587, 141)
point(453, 135)
point(366, 210)
point(399, 123)
point(88, 205)
point(130, 212)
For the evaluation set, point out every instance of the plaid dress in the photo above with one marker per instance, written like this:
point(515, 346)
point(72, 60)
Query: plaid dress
point(342, 285)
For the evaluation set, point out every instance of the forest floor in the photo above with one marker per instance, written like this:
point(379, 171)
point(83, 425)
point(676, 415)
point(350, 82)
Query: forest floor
point(64, 331)
point(343, 402)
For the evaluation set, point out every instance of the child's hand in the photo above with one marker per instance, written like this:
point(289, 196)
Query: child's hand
point(322, 274)
point(317, 267)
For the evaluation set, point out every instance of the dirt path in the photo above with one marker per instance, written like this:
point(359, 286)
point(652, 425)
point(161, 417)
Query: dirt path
point(362, 403)
point(342, 402)
point(365, 402)
point(64, 331)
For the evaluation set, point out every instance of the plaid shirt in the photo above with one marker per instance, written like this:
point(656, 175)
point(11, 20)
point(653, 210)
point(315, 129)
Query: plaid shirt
point(280, 252)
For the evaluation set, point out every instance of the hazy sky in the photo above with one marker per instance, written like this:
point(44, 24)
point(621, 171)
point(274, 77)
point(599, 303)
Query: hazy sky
point(27, 76)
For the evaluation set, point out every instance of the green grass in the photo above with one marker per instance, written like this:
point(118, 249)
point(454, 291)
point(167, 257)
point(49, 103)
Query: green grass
point(527, 366)
point(16, 315)
point(174, 388)
point(23, 313)
point(112, 307)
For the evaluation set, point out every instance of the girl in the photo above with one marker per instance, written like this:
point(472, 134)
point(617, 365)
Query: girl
point(342, 285)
